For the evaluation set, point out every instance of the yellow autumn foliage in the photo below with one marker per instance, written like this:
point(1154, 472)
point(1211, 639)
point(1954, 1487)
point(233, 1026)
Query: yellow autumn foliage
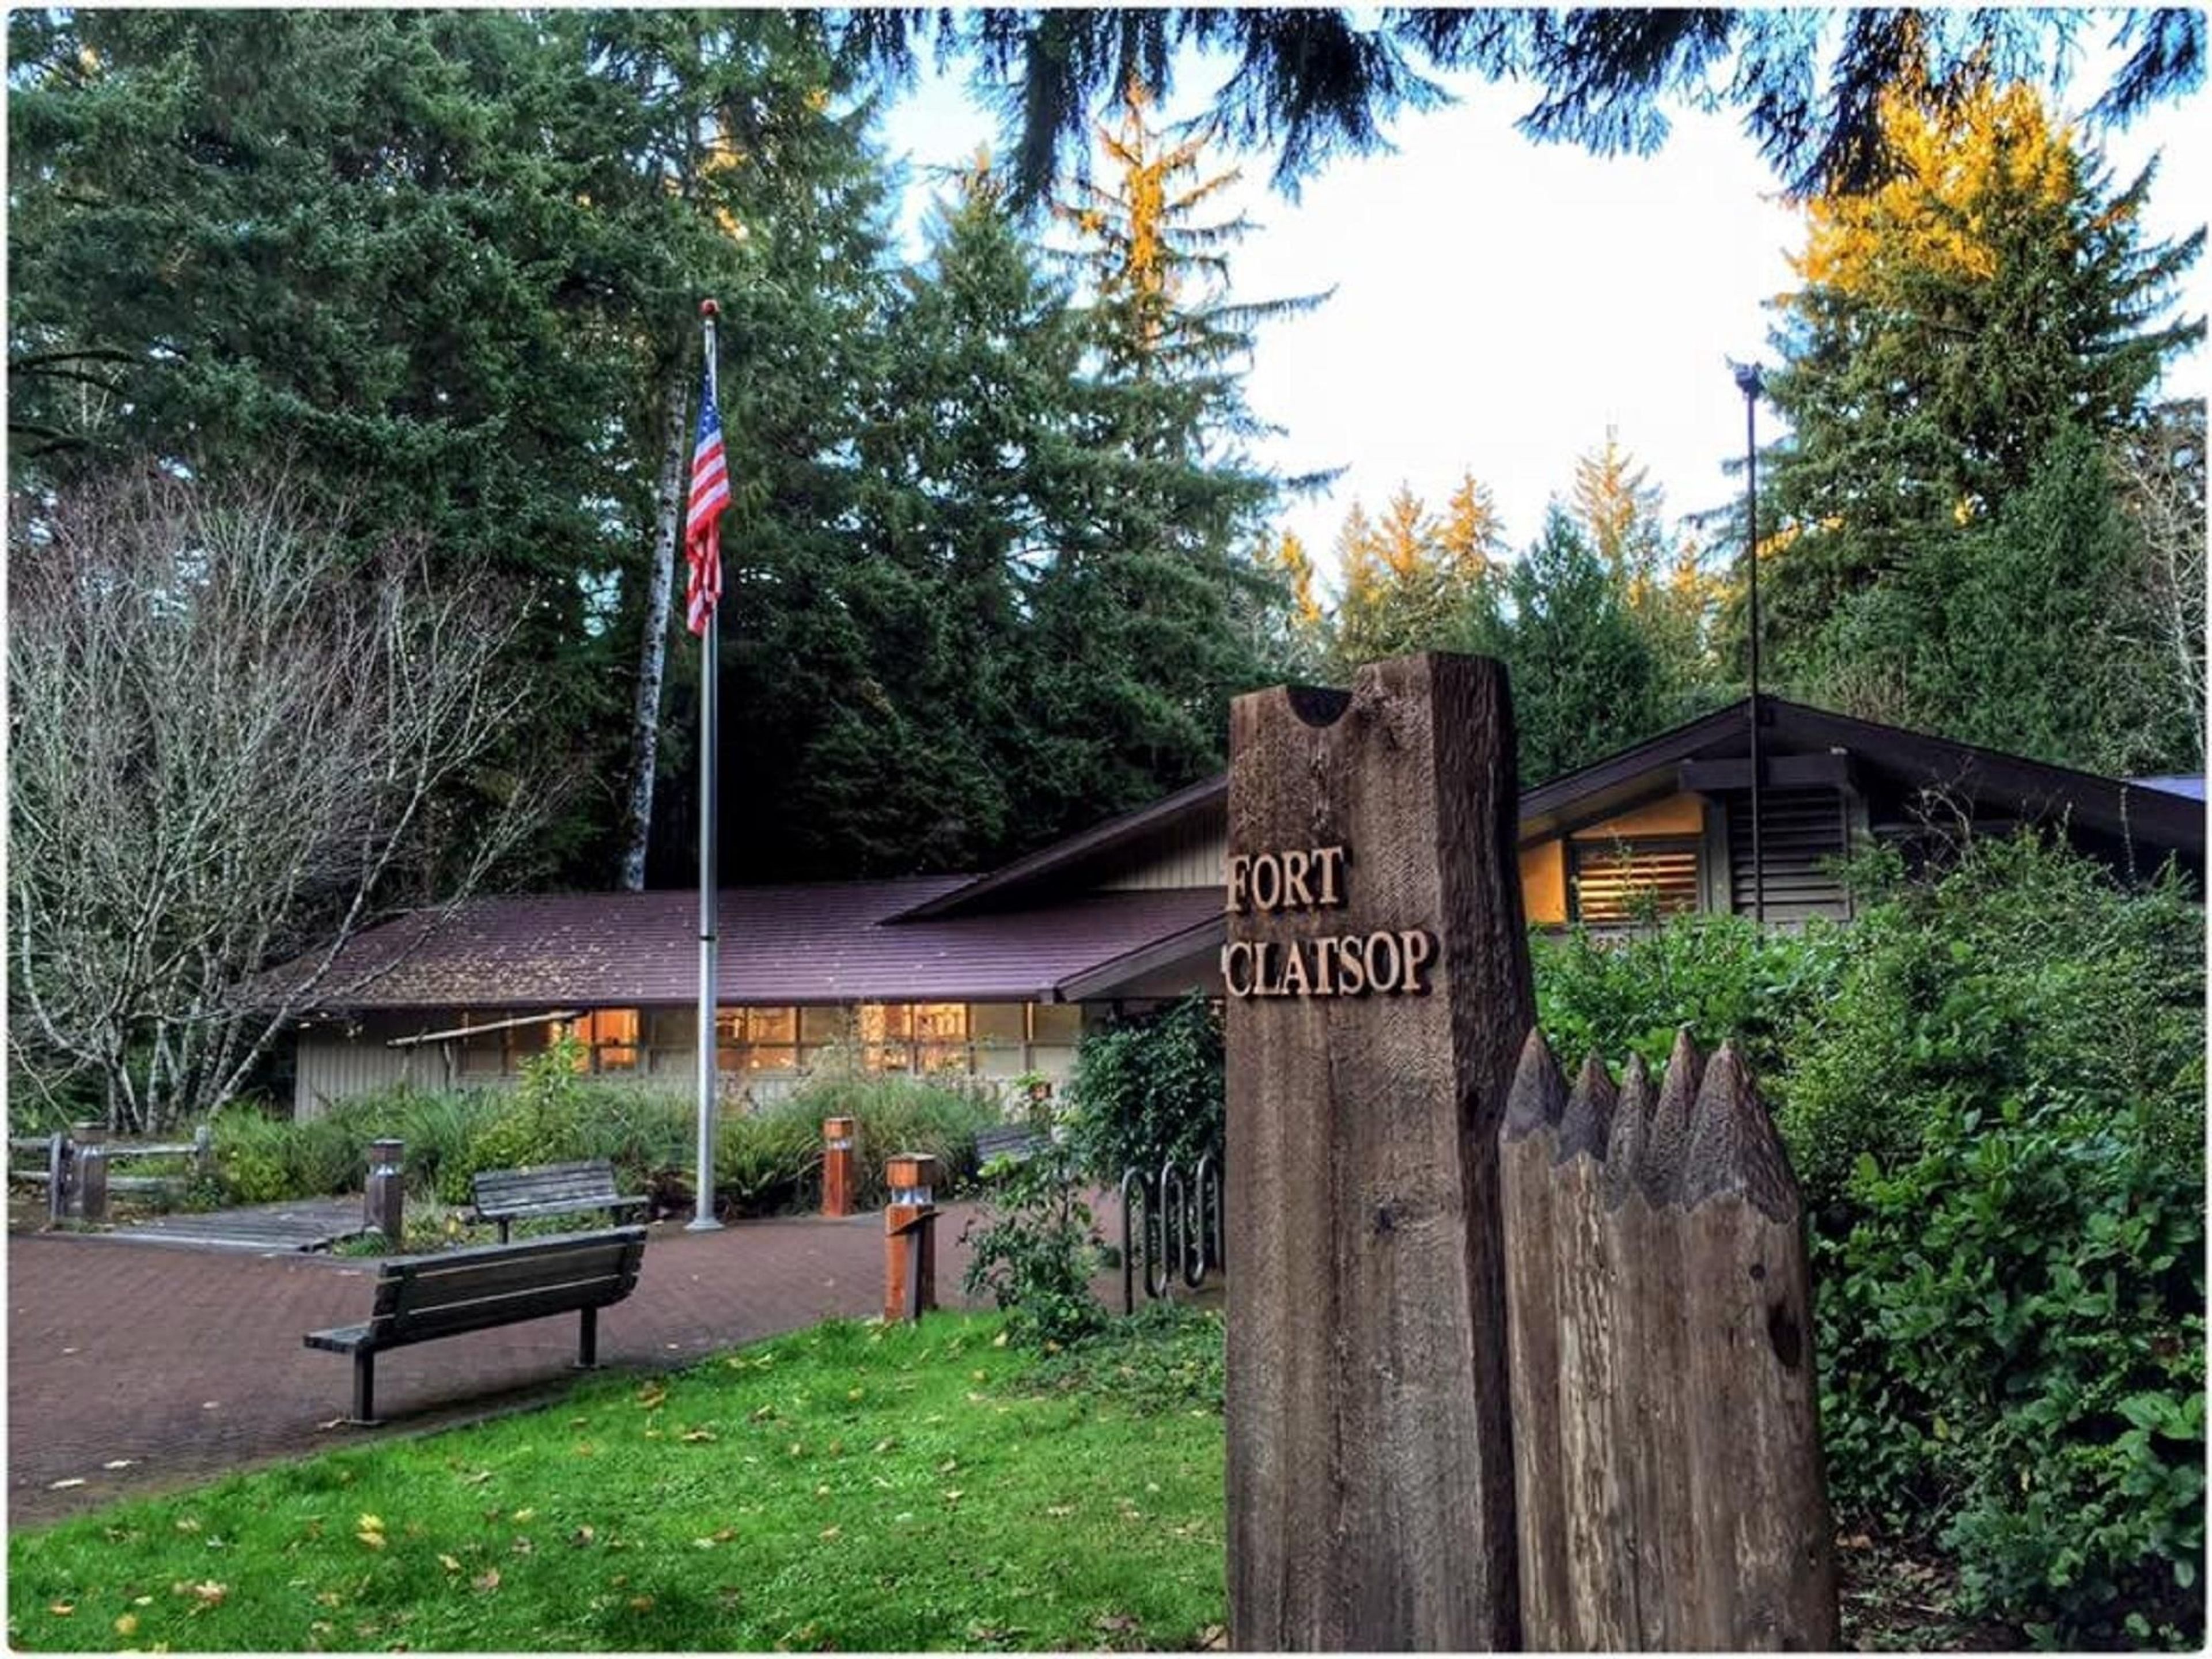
point(1997, 145)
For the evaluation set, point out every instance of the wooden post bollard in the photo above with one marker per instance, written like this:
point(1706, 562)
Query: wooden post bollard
point(203, 1153)
point(60, 1168)
point(836, 1166)
point(384, 1198)
point(909, 1236)
point(88, 1172)
point(1378, 995)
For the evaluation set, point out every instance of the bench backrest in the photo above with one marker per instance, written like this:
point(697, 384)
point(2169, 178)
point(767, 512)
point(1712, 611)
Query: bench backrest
point(428, 1295)
point(1013, 1140)
point(586, 1184)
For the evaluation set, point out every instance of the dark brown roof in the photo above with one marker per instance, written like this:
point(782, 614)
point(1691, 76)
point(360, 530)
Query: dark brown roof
point(1066, 860)
point(814, 943)
point(2154, 819)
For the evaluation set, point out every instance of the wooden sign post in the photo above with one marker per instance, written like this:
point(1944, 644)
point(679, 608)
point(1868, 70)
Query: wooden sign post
point(1378, 996)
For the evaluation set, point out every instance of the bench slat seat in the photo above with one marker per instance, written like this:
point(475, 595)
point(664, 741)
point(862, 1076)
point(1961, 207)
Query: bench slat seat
point(423, 1298)
point(505, 1196)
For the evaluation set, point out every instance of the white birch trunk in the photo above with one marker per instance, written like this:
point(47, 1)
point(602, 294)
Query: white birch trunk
point(652, 654)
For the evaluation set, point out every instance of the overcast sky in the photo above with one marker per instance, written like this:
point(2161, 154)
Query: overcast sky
point(1500, 304)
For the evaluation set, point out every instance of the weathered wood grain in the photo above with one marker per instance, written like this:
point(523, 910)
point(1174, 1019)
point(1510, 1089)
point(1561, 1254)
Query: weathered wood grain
point(1369, 1463)
point(1670, 1484)
point(1767, 1579)
point(1527, 1148)
point(1590, 1472)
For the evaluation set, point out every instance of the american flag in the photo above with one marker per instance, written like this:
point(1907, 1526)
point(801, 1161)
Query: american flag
point(703, 525)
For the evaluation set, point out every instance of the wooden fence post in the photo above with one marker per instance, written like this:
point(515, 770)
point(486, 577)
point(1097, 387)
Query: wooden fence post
point(1379, 994)
point(1768, 1571)
point(1666, 1430)
point(1528, 1148)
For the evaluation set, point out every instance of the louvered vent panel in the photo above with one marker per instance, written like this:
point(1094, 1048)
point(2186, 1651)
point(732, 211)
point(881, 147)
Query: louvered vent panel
point(1614, 882)
point(1802, 835)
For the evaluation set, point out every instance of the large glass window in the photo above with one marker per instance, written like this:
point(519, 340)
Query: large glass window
point(915, 1036)
point(610, 1037)
point(764, 1039)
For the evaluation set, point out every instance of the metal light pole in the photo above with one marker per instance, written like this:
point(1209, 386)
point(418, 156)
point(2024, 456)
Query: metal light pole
point(1748, 382)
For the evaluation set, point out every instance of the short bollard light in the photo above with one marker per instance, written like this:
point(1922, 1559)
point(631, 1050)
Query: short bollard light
point(836, 1166)
point(88, 1176)
point(909, 1236)
point(384, 1198)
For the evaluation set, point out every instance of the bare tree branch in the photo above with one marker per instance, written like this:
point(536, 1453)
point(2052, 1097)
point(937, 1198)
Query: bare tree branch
point(230, 733)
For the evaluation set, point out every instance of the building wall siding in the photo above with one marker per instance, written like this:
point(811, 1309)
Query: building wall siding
point(337, 1062)
point(1195, 855)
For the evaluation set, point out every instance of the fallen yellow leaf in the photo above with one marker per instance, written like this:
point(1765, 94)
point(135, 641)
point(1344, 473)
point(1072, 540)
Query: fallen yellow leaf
point(210, 1592)
point(369, 1523)
point(641, 1604)
point(488, 1580)
point(373, 1539)
point(694, 1436)
point(127, 1625)
point(829, 1533)
point(449, 1563)
point(522, 1516)
point(62, 1609)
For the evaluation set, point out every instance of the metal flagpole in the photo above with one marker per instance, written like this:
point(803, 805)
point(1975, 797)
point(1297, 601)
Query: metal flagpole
point(702, 1206)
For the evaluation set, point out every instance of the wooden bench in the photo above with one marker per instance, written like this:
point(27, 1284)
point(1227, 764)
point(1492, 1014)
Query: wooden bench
point(1016, 1142)
point(420, 1298)
point(508, 1195)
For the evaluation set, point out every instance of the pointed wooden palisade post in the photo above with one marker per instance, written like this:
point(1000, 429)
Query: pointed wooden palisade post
point(1378, 996)
point(1666, 1436)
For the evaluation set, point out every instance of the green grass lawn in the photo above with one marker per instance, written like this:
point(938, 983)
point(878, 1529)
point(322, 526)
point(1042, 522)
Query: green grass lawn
point(849, 1487)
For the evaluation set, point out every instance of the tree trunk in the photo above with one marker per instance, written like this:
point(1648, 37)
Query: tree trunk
point(652, 652)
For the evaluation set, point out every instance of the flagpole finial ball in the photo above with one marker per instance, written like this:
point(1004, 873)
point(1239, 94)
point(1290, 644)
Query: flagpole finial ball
point(710, 308)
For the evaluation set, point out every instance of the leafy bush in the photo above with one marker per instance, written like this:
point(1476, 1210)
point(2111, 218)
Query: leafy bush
point(2012, 1334)
point(540, 1120)
point(1148, 1089)
point(252, 1153)
point(1715, 973)
point(2021, 972)
point(1037, 1249)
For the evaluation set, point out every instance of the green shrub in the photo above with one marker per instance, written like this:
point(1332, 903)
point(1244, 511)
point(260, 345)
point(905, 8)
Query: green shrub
point(1035, 1248)
point(252, 1155)
point(539, 1121)
point(2012, 1334)
point(1715, 973)
point(1148, 1089)
point(2023, 972)
point(766, 1161)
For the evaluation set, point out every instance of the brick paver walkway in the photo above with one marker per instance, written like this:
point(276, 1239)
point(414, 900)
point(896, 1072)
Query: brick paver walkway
point(189, 1363)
